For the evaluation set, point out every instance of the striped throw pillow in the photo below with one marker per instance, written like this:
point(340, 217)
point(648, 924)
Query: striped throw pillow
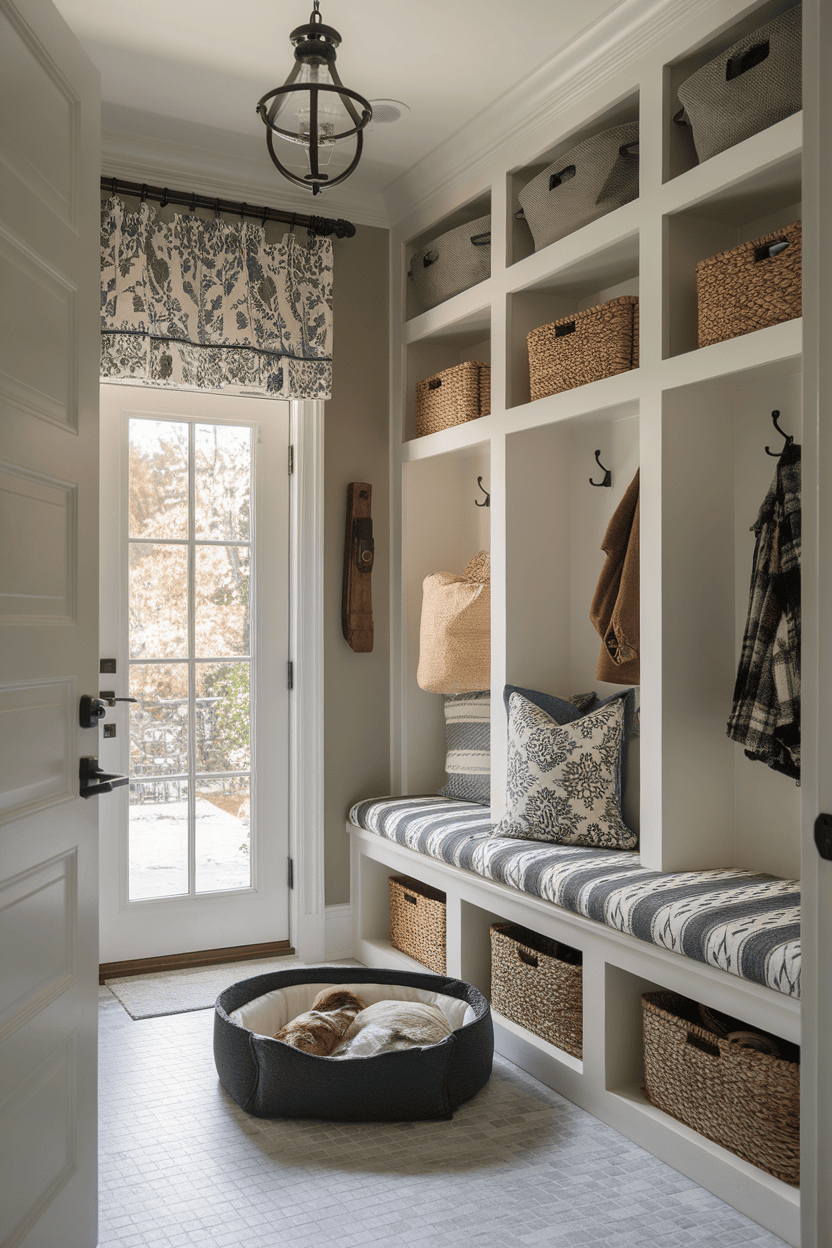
point(468, 747)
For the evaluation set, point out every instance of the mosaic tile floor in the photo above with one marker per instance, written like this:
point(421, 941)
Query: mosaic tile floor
point(181, 1164)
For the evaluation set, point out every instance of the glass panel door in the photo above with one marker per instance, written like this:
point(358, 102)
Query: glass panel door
point(190, 659)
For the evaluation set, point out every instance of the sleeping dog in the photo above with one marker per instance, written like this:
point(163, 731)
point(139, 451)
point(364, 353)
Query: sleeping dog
point(320, 1029)
point(340, 1025)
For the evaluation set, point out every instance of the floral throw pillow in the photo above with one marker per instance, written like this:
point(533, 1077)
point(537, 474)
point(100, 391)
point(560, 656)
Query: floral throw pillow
point(561, 778)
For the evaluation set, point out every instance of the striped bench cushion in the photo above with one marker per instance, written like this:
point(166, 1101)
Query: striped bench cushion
point(740, 921)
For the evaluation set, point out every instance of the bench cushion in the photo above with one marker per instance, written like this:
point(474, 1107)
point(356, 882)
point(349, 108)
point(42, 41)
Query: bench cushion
point(742, 922)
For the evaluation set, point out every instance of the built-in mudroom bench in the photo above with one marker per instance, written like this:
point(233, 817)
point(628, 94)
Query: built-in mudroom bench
point(680, 407)
point(618, 966)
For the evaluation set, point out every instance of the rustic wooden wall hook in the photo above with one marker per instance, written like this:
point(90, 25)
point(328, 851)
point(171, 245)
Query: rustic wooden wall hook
point(359, 555)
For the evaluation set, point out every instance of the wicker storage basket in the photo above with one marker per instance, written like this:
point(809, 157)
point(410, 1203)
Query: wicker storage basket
point(452, 397)
point(538, 983)
point(586, 347)
point(452, 262)
point(748, 87)
point(584, 184)
point(747, 1101)
point(751, 286)
point(417, 921)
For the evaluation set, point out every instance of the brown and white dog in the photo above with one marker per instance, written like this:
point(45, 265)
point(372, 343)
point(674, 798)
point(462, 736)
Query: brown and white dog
point(341, 1025)
point(387, 1026)
point(320, 1029)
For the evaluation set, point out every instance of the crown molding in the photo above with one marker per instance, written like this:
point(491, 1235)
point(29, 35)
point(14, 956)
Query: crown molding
point(190, 168)
point(608, 49)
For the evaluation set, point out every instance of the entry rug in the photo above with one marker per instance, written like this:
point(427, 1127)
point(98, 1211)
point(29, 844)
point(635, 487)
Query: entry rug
point(181, 992)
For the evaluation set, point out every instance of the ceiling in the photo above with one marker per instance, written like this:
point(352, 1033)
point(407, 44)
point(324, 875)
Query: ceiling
point(185, 75)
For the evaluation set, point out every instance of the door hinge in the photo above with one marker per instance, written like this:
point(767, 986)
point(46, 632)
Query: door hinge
point(290, 675)
point(291, 460)
point(290, 875)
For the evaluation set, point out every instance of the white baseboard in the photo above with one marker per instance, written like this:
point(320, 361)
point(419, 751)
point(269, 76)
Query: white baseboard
point(338, 931)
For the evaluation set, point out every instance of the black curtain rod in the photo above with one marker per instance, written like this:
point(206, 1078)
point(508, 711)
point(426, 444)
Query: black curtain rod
point(318, 227)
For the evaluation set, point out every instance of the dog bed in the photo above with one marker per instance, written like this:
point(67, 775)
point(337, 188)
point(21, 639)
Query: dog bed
point(270, 1079)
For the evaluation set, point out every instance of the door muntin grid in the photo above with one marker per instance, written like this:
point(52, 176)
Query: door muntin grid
point(190, 657)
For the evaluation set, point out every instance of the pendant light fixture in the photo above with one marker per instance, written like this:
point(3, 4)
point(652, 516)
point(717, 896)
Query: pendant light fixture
point(313, 109)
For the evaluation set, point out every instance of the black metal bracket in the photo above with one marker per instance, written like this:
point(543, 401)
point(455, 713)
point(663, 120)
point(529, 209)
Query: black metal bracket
point(606, 471)
point(823, 836)
point(95, 781)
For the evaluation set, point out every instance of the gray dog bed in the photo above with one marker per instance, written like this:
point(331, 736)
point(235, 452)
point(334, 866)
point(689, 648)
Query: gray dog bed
point(271, 1079)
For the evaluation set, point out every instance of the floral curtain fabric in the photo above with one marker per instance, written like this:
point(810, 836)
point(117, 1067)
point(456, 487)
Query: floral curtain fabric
point(207, 303)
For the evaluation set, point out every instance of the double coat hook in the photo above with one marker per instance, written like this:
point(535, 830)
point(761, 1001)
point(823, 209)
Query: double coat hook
point(487, 502)
point(787, 436)
point(607, 474)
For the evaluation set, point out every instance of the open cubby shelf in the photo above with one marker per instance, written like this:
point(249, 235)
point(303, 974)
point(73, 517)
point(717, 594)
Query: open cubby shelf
point(695, 423)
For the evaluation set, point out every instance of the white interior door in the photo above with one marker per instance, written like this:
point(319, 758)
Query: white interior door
point(194, 611)
point(49, 347)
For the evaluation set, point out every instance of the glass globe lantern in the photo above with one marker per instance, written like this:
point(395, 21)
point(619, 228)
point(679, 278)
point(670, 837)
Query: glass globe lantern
point(313, 108)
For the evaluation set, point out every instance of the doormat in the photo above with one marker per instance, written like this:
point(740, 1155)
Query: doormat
point(181, 992)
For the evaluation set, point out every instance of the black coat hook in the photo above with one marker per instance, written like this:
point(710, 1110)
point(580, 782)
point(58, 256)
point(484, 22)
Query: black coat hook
point(164, 200)
point(487, 502)
point(607, 474)
point(787, 436)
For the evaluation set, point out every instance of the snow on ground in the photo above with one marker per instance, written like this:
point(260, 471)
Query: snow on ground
point(159, 849)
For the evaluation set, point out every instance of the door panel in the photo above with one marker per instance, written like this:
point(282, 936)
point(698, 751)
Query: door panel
point(178, 657)
point(49, 331)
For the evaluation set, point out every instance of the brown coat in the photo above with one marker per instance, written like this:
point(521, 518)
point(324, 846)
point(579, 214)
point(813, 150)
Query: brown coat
point(615, 604)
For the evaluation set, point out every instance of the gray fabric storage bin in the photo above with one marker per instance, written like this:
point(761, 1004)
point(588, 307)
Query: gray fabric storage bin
point(587, 182)
point(749, 87)
point(452, 262)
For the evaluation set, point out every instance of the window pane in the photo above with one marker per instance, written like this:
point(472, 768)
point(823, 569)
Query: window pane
point(158, 602)
point(222, 483)
point(158, 846)
point(223, 714)
point(158, 478)
point(222, 599)
point(223, 858)
point(159, 722)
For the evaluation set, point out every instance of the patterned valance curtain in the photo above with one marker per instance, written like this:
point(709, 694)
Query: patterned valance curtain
point(208, 303)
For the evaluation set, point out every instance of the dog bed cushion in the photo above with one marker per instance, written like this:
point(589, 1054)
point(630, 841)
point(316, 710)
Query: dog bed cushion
point(268, 1078)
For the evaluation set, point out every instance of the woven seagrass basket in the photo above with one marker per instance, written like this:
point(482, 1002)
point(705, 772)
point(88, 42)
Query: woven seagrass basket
point(538, 983)
point(452, 397)
point(751, 286)
point(745, 1100)
point(417, 921)
point(593, 344)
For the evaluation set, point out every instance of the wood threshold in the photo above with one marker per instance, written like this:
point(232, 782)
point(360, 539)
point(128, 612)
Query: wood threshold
point(200, 957)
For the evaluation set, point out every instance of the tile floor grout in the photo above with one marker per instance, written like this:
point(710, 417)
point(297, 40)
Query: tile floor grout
point(518, 1166)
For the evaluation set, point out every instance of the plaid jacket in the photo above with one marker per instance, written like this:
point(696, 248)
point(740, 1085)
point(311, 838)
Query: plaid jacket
point(766, 712)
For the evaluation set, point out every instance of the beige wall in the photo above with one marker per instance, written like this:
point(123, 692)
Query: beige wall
point(356, 686)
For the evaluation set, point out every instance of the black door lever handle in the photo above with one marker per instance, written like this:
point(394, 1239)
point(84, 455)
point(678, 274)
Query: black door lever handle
point(95, 781)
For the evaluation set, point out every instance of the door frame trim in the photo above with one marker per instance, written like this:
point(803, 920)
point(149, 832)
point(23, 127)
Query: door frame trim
point(306, 703)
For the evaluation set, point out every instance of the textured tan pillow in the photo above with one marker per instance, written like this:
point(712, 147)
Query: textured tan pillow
point(455, 633)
